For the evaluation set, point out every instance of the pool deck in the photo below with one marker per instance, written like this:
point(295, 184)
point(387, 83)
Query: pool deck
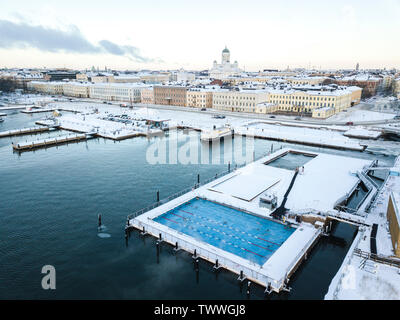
point(275, 271)
point(241, 190)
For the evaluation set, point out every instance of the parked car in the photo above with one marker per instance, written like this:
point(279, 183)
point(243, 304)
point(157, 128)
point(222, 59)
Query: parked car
point(203, 109)
point(397, 117)
point(349, 123)
point(273, 117)
point(297, 118)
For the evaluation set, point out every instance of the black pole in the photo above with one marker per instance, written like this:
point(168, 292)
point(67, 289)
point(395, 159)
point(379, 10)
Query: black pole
point(160, 237)
point(198, 178)
point(158, 196)
point(229, 167)
point(99, 220)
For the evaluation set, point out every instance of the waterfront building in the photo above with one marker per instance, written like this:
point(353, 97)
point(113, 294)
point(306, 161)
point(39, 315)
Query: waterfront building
point(238, 100)
point(54, 87)
point(77, 89)
point(200, 98)
point(304, 100)
point(130, 92)
point(147, 95)
point(170, 95)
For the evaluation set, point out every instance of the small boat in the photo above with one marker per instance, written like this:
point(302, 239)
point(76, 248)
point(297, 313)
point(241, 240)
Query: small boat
point(1, 120)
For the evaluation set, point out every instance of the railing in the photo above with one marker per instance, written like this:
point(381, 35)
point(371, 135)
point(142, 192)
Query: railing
point(207, 252)
point(377, 258)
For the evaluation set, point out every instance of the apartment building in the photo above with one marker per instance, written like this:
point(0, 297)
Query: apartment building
point(170, 95)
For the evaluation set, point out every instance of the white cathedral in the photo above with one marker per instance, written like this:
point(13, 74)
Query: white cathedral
point(225, 69)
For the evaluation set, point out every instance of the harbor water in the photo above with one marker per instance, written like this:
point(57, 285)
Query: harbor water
point(49, 205)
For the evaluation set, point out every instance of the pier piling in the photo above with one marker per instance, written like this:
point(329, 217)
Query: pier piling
point(158, 196)
point(99, 218)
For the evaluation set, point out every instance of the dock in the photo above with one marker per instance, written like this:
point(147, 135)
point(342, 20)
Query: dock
point(24, 131)
point(27, 146)
point(38, 110)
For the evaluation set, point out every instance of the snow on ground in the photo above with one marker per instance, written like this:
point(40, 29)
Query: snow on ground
point(357, 115)
point(360, 132)
point(372, 282)
point(326, 178)
point(366, 279)
point(297, 134)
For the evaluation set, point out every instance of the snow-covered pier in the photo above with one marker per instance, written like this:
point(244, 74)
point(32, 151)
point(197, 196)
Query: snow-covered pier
point(39, 110)
point(27, 146)
point(306, 136)
point(24, 131)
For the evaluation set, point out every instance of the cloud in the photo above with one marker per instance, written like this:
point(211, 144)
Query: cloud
point(24, 35)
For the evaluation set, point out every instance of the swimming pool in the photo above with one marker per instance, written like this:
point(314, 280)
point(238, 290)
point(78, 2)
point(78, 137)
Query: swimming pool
point(250, 237)
point(291, 160)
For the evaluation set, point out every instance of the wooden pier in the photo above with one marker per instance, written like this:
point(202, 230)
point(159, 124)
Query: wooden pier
point(27, 146)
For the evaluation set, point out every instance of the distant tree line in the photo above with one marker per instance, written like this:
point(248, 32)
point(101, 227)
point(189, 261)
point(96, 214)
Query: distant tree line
point(7, 85)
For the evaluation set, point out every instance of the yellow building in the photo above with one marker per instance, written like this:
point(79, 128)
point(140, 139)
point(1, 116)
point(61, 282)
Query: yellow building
point(311, 81)
point(239, 101)
point(305, 101)
point(82, 77)
point(266, 107)
point(199, 98)
point(394, 220)
point(76, 89)
point(396, 87)
point(48, 87)
point(102, 79)
point(147, 95)
point(323, 113)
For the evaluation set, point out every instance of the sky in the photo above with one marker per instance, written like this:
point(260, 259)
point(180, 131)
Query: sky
point(174, 34)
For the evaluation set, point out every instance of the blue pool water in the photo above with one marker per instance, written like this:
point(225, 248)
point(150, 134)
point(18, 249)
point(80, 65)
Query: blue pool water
point(250, 237)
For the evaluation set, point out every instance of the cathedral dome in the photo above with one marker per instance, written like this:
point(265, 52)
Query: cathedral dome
point(225, 50)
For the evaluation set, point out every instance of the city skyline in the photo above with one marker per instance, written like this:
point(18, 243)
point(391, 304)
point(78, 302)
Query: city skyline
point(173, 35)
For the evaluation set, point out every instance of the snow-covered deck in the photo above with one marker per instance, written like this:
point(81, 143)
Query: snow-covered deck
point(326, 178)
point(360, 278)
